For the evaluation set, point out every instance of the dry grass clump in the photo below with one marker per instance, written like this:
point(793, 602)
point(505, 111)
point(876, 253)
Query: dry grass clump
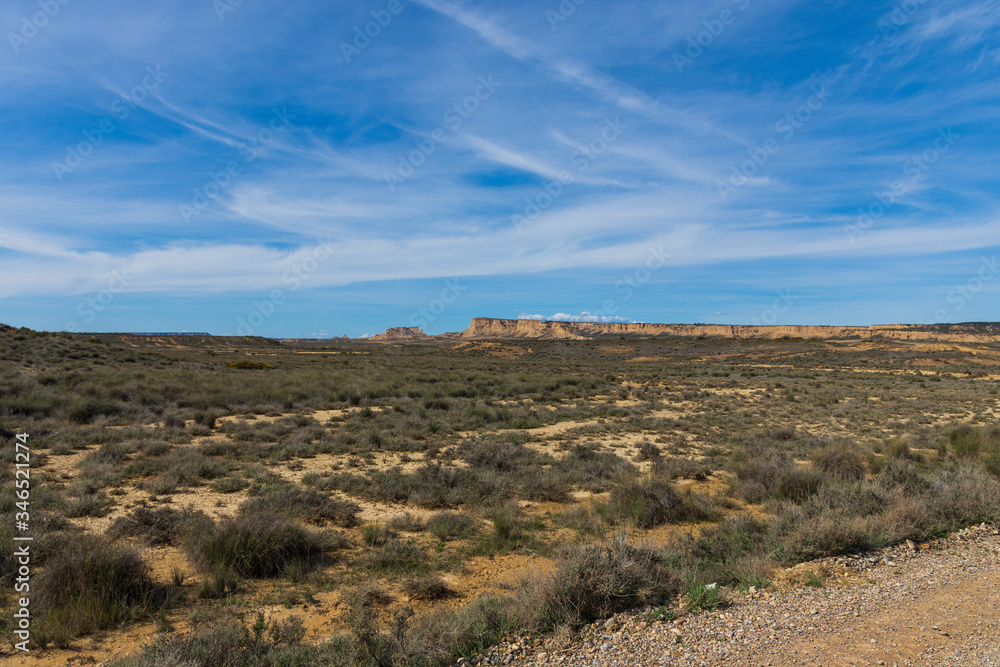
point(89, 583)
point(229, 642)
point(396, 556)
point(596, 581)
point(652, 502)
point(680, 467)
point(407, 523)
point(452, 525)
point(306, 504)
point(163, 525)
point(763, 473)
point(841, 462)
point(254, 545)
point(427, 587)
point(376, 534)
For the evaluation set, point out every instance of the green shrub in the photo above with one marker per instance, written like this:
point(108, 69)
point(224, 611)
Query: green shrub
point(648, 451)
point(86, 411)
point(444, 635)
point(965, 441)
point(703, 597)
point(991, 464)
point(206, 418)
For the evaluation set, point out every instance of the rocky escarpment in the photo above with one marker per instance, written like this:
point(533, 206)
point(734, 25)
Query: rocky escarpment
point(400, 333)
point(485, 327)
point(494, 328)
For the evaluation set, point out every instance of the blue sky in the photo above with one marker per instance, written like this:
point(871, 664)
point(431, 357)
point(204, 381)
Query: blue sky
point(313, 169)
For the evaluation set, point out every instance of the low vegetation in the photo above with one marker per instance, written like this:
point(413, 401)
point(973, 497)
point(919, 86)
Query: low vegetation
point(379, 479)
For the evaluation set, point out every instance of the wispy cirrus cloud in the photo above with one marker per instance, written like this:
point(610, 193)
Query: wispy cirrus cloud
point(654, 184)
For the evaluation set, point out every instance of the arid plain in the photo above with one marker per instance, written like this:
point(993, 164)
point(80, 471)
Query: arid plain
point(417, 500)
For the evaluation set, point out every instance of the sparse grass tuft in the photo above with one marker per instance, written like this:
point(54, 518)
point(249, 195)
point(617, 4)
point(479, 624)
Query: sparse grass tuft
point(703, 597)
point(452, 525)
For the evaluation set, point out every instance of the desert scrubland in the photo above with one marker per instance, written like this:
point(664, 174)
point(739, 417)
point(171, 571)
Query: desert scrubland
point(244, 501)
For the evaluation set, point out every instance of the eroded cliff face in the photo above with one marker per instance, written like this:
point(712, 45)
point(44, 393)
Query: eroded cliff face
point(494, 328)
point(400, 333)
point(487, 327)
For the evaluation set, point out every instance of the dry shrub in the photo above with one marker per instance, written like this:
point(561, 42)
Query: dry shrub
point(596, 581)
point(306, 504)
point(840, 462)
point(763, 473)
point(427, 587)
point(648, 451)
point(651, 502)
point(260, 545)
point(155, 526)
point(451, 525)
point(89, 583)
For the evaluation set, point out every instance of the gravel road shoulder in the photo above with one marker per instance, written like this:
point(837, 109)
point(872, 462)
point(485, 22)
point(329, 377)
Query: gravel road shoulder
point(914, 604)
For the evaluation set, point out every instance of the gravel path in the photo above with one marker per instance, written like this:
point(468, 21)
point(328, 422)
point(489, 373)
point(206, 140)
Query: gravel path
point(914, 604)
